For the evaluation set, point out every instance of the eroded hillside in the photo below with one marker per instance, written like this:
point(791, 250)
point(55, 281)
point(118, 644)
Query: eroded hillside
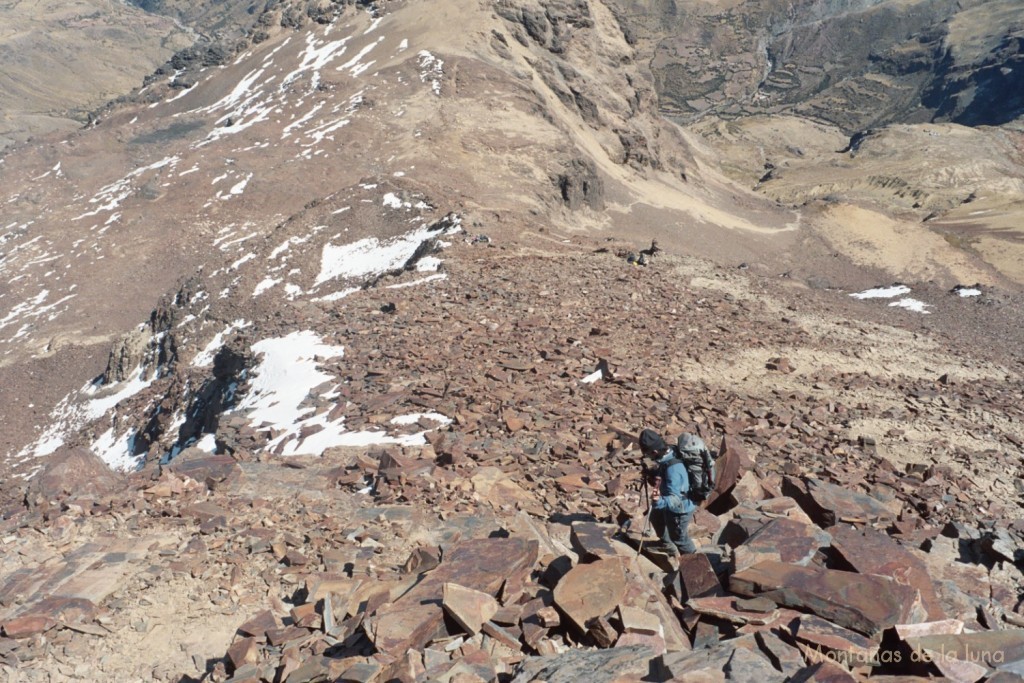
point(314, 356)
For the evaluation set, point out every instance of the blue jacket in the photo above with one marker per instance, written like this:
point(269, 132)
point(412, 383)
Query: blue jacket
point(675, 487)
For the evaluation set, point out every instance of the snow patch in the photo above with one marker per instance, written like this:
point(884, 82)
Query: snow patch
point(912, 305)
point(72, 413)
point(314, 58)
point(205, 357)
point(431, 71)
point(264, 286)
point(239, 187)
point(111, 196)
point(279, 399)
point(335, 296)
point(116, 451)
point(208, 443)
point(238, 264)
point(413, 418)
point(421, 281)
point(883, 292)
point(428, 264)
point(369, 256)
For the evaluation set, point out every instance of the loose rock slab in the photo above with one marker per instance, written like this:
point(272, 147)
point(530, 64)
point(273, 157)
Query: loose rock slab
point(862, 602)
point(591, 590)
point(470, 608)
point(479, 564)
point(598, 666)
point(828, 504)
point(782, 540)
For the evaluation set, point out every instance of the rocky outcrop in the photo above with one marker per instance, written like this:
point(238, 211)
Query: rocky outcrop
point(581, 186)
point(73, 476)
point(126, 355)
point(624, 115)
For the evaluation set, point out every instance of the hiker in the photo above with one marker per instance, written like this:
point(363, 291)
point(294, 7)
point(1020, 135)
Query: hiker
point(671, 506)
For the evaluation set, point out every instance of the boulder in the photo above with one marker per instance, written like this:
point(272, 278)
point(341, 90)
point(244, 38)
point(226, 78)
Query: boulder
point(861, 602)
point(840, 644)
point(417, 616)
point(695, 578)
point(873, 552)
point(971, 656)
point(468, 607)
point(591, 590)
point(782, 540)
point(728, 464)
point(590, 541)
point(27, 626)
point(827, 504)
point(72, 472)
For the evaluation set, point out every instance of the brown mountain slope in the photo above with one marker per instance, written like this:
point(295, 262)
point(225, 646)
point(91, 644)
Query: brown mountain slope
point(62, 60)
point(359, 301)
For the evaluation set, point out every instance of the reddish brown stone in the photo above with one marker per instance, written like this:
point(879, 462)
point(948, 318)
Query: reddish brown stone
point(780, 364)
point(243, 651)
point(826, 672)
point(66, 609)
point(696, 578)
point(636, 620)
point(258, 625)
point(549, 617)
point(214, 471)
point(591, 590)
point(864, 603)
point(503, 635)
point(76, 471)
point(602, 632)
point(727, 471)
point(872, 552)
point(471, 609)
point(956, 654)
point(590, 540)
point(306, 616)
point(747, 489)
point(28, 626)
point(653, 642)
point(286, 635)
point(293, 558)
point(725, 607)
point(828, 504)
point(781, 540)
point(480, 564)
point(846, 646)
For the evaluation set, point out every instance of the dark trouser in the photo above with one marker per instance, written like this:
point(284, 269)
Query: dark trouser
point(673, 530)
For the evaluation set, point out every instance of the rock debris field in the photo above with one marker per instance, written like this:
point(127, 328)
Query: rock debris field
point(863, 523)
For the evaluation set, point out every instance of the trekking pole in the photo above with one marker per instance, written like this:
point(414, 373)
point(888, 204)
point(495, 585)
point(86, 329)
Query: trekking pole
point(650, 508)
point(643, 534)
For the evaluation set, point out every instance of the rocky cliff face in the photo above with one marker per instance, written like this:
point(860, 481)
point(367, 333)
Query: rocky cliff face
point(852, 64)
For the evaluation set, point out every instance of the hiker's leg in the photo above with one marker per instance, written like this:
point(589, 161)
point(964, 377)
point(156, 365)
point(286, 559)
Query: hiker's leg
point(661, 528)
point(663, 523)
point(681, 533)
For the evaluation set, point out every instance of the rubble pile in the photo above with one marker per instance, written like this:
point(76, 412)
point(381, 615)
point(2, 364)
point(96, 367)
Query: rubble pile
point(506, 546)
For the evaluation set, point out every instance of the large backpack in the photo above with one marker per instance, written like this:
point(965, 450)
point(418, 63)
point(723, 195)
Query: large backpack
point(700, 465)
